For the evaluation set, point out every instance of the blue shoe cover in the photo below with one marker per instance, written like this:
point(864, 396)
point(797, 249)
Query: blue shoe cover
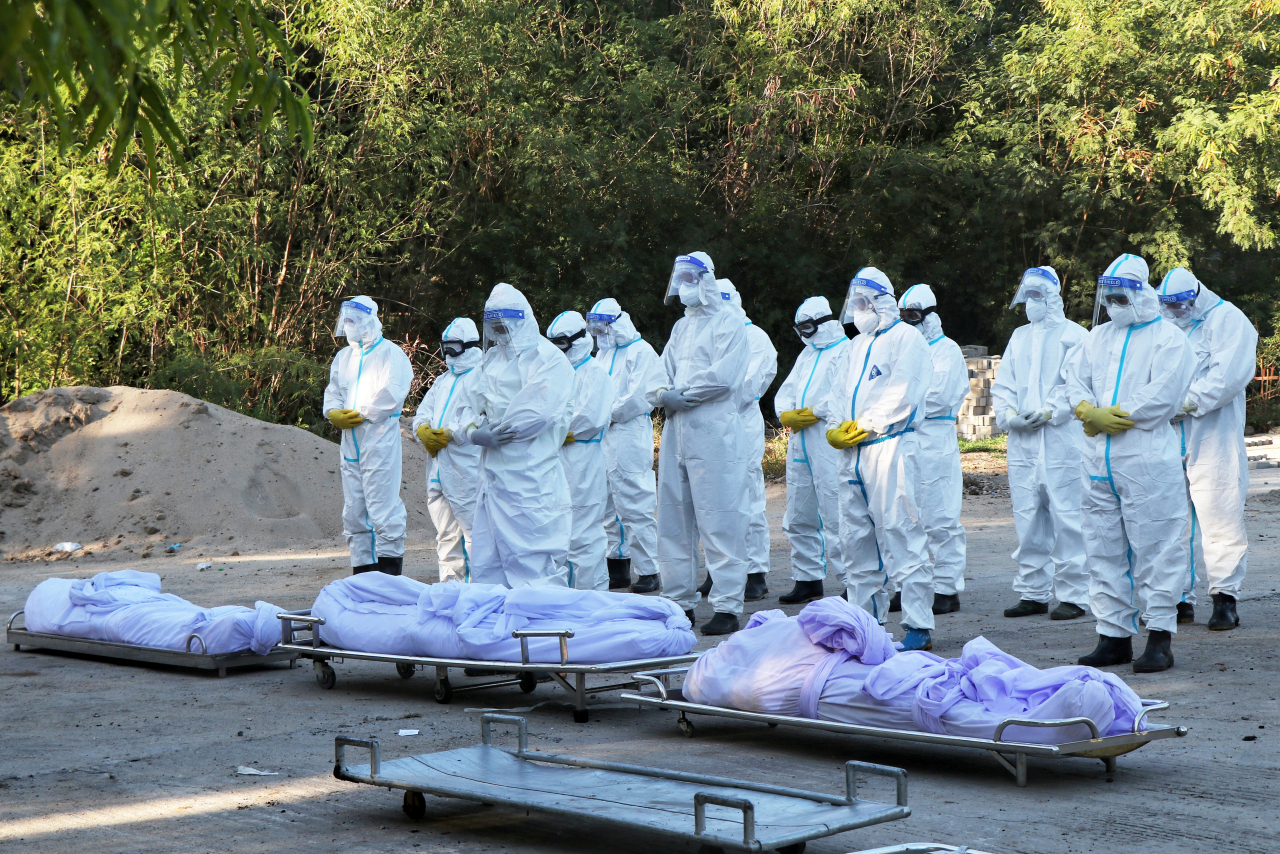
point(916, 639)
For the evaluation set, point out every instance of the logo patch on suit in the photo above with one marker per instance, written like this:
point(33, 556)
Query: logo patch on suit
point(875, 372)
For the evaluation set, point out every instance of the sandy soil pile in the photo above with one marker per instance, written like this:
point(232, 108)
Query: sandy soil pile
point(137, 470)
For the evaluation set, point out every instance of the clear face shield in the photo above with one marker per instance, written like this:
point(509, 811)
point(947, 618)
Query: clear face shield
point(687, 274)
point(1113, 292)
point(1178, 307)
point(861, 298)
point(806, 329)
point(600, 325)
point(350, 311)
point(500, 324)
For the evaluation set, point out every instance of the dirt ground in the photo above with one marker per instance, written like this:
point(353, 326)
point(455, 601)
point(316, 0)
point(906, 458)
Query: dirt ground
point(161, 776)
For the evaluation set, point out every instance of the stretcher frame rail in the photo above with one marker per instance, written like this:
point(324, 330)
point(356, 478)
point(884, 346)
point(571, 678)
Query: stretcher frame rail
point(20, 636)
point(1011, 755)
point(524, 673)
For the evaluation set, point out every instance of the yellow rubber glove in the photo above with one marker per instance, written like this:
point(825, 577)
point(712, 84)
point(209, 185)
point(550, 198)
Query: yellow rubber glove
point(847, 435)
point(568, 439)
point(798, 419)
point(1110, 419)
point(433, 439)
point(345, 419)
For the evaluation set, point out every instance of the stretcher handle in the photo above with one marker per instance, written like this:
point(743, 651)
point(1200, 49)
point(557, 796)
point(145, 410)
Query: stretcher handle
point(1148, 706)
point(375, 756)
point(13, 617)
point(700, 801)
point(487, 738)
point(853, 767)
point(204, 650)
point(662, 689)
point(525, 634)
point(1093, 728)
point(287, 628)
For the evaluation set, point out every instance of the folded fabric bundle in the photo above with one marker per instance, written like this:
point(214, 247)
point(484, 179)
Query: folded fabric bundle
point(393, 614)
point(127, 606)
point(834, 662)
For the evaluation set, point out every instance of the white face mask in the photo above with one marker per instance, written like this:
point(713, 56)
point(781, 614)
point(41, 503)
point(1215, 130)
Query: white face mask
point(691, 295)
point(866, 321)
point(1123, 315)
point(1037, 309)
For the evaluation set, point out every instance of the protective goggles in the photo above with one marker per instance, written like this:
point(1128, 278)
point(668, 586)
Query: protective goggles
point(564, 342)
point(859, 301)
point(916, 316)
point(457, 348)
point(1110, 299)
point(809, 328)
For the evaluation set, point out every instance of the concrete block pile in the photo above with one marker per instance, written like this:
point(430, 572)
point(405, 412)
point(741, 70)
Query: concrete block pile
point(977, 418)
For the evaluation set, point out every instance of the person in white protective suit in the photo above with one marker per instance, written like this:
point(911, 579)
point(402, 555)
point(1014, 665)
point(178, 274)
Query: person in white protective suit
point(872, 411)
point(582, 454)
point(701, 479)
point(519, 416)
point(636, 371)
point(760, 373)
point(1130, 377)
point(368, 382)
point(812, 518)
point(941, 487)
point(454, 471)
point(1210, 428)
point(1044, 446)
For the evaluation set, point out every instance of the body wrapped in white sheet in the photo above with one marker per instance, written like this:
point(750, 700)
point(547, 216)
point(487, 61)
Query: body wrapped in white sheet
point(375, 612)
point(127, 606)
point(834, 662)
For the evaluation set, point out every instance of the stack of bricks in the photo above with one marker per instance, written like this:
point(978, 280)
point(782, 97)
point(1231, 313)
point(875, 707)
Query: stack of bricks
point(977, 418)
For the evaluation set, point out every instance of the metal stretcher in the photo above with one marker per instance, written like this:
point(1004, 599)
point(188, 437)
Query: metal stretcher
point(1012, 755)
point(221, 662)
point(524, 673)
point(715, 811)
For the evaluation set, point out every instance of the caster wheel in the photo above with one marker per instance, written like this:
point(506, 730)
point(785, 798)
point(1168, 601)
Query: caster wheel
point(686, 727)
point(325, 677)
point(798, 848)
point(415, 805)
point(406, 671)
point(528, 682)
point(581, 716)
point(444, 691)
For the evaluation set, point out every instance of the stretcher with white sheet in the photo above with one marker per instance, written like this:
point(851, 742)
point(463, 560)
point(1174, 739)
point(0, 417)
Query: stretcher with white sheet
point(299, 636)
point(1012, 755)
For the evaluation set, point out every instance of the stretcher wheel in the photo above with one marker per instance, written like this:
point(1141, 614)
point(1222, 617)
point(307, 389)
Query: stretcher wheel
point(686, 727)
point(444, 691)
point(406, 671)
point(528, 682)
point(325, 677)
point(415, 805)
point(797, 848)
point(581, 716)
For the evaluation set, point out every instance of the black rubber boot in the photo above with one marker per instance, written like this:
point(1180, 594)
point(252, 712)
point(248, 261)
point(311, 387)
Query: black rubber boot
point(895, 603)
point(1224, 617)
point(692, 621)
point(705, 587)
point(1186, 613)
point(619, 572)
point(721, 624)
point(1109, 651)
point(365, 567)
point(804, 591)
point(391, 565)
point(1067, 611)
point(945, 603)
point(1025, 608)
point(1157, 656)
point(647, 583)
point(756, 588)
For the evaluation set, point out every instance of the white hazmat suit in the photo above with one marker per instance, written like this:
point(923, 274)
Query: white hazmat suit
point(1044, 445)
point(371, 376)
point(520, 416)
point(454, 472)
point(882, 385)
point(1210, 430)
point(760, 373)
point(701, 479)
point(812, 519)
point(636, 371)
point(582, 454)
point(941, 488)
point(1134, 507)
